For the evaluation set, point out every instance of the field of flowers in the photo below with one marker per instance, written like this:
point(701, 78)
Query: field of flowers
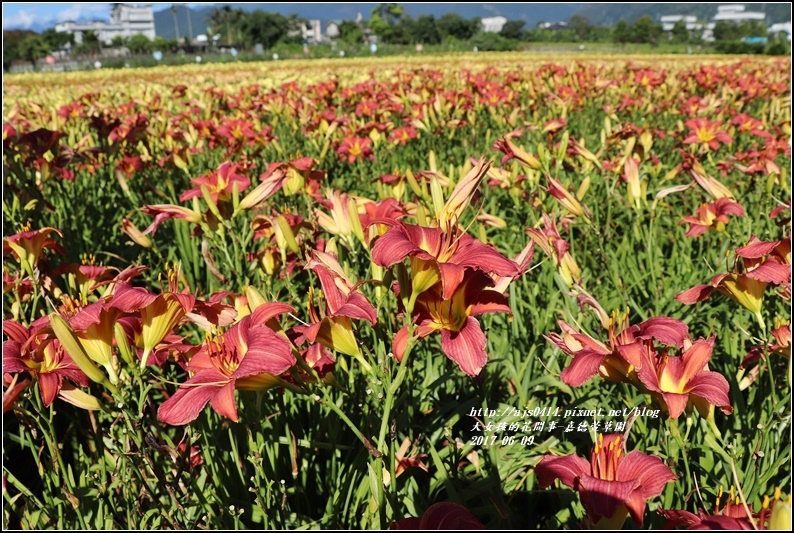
point(399, 293)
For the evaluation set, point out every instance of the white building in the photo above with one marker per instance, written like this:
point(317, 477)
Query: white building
point(493, 24)
point(781, 27)
point(731, 12)
point(125, 21)
point(691, 21)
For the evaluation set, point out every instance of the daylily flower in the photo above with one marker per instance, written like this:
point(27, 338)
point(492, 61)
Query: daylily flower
point(512, 151)
point(556, 248)
point(764, 262)
point(333, 328)
point(162, 212)
point(462, 339)
point(612, 484)
point(402, 135)
point(685, 379)
point(462, 194)
point(219, 184)
point(344, 219)
point(706, 133)
point(734, 515)
point(623, 355)
point(159, 313)
point(566, 199)
point(354, 147)
point(442, 515)
point(28, 245)
point(714, 215)
point(438, 255)
point(42, 356)
point(246, 357)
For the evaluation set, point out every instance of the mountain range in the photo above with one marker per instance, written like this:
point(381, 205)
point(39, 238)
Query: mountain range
point(597, 14)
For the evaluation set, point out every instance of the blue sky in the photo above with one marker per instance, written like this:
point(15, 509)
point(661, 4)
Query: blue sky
point(25, 15)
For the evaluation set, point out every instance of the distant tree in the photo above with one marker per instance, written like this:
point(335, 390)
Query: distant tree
point(388, 12)
point(425, 30)
point(512, 29)
point(752, 28)
point(679, 33)
point(581, 26)
point(646, 30)
point(226, 21)
point(456, 26)
point(378, 26)
point(56, 39)
point(117, 42)
point(262, 27)
point(33, 48)
point(139, 44)
point(488, 42)
point(350, 32)
point(726, 30)
point(621, 33)
point(91, 40)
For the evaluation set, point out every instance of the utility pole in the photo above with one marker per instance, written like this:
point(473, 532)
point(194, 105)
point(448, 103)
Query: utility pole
point(189, 26)
point(176, 24)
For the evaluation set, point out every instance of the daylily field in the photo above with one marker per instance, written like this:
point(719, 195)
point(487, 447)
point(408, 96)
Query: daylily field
point(473, 291)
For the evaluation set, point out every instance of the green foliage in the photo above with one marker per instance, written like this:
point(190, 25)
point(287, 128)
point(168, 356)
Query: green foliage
point(262, 27)
point(730, 30)
point(350, 32)
point(679, 33)
point(512, 29)
point(492, 42)
point(646, 30)
point(453, 25)
point(622, 32)
point(139, 44)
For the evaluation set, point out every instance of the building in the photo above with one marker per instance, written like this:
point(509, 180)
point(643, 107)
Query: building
point(730, 12)
point(782, 27)
point(125, 21)
point(310, 32)
point(552, 25)
point(493, 24)
point(669, 22)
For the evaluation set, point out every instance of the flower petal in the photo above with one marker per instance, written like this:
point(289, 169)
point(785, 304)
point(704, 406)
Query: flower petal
point(466, 347)
point(665, 330)
point(186, 404)
point(567, 469)
point(224, 403)
point(582, 368)
point(601, 498)
point(695, 294)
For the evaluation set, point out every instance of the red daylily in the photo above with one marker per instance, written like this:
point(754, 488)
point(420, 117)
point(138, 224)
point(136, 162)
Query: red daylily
point(403, 134)
point(28, 245)
point(439, 255)
point(219, 184)
point(247, 356)
point(764, 262)
point(612, 484)
point(462, 339)
point(706, 133)
point(618, 360)
point(41, 355)
point(685, 379)
point(714, 215)
point(160, 313)
point(354, 147)
point(732, 516)
point(442, 515)
point(552, 243)
point(333, 328)
point(163, 212)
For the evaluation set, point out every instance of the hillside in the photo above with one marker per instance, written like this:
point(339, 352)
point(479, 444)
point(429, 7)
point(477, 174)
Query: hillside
point(609, 14)
point(530, 13)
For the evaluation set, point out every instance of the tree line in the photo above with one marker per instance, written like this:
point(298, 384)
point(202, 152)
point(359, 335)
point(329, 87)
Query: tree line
point(388, 23)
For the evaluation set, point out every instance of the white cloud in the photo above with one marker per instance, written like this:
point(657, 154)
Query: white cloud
point(22, 19)
point(79, 11)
